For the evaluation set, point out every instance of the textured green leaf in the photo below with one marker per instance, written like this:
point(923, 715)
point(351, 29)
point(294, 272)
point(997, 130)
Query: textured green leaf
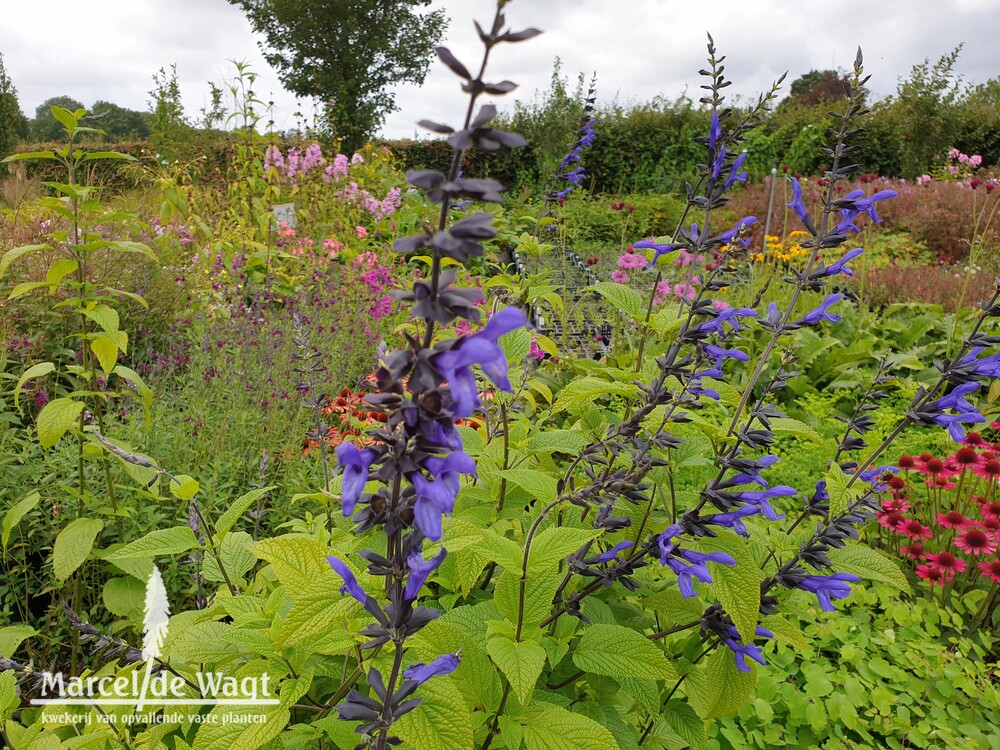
point(551, 546)
point(549, 727)
point(11, 255)
point(106, 317)
point(561, 441)
point(239, 506)
point(539, 591)
point(737, 587)
point(795, 427)
point(840, 496)
point(184, 487)
point(127, 373)
point(73, 545)
point(9, 699)
point(784, 631)
point(626, 299)
point(124, 596)
point(13, 516)
point(870, 564)
point(60, 270)
point(55, 418)
point(521, 663)
point(718, 688)
point(537, 483)
point(173, 541)
point(106, 351)
point(12, 636)
point(685, 722)
point(616, 651)
point(516, 344)
point(35, 371)
point(583, 391)
point(442, 721)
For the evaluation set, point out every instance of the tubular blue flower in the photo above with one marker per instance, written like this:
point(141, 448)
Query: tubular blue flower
point(867, 205)
point(563, 193)
point(436, 498)
point(735, 234)
point(720, 354)
point(693, 556)
point(419, 570)
point(861, 205)
point(821, 313)
point(720, 157)
point(571, 158)
point(351, 585)
point(730, 315)
point(841, 265)
point(741, 652)
point(714, 130)
point(687, 564)
point(575, 177)
point(587, 134)
point(612, 553)
point(967, 413)
point(797, 205)
point(760, 498)
point(749, 476)
point(441, 666)
point(734, 174)
point(828, 587)
point(873, 475)
point(478, 349)
point(658, 249)
point(356, 463)
point(983, 367)
point(734, 519)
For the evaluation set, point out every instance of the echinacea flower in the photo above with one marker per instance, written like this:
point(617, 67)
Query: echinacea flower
point(933, 574)
point(891, 520)
point(914, 551)
point(947, 561)
point(914, 529)
point(991, 569)
point(975, 541)
point(953, 520)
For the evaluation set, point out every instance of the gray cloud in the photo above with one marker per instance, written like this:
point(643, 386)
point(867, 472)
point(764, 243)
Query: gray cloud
point(639, 48)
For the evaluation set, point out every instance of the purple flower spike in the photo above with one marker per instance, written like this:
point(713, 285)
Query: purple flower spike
point(351, 585)
point(658, 250)
point(735, 233)
point(441, 666)
point(797, 204)
point(734, 519)
point(828, 587)
point(611, 554)
point(841, 265)
point(437, 491)
point(714, 130)
point(356, 463)
point(419, 570)
point(735, 175)
point(821, 313)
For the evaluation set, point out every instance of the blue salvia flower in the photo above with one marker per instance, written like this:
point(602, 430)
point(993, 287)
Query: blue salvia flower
point(720, 157)
point(734, 519)
point(719, 354)
point(873, 475)
point(714, 130)
point(437, 491)
point(857, 204)
point(420, 673)
point(659, 249)
point(761, 499)
point(355, 464)
point(828, 587)
point(841, 265)
point(575, 177)
point(821, 313)
point(687, 564)
point(609, 555)
point(982, 366)
point(730, 315)
point(956, 401)
point(736, 233)
point(351, 585)
point(740, 651)
point(751, 475)
point(797, 204)
point(735, 175)
point(419, 570)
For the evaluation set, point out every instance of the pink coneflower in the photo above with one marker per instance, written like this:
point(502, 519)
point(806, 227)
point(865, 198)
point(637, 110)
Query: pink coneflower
point(915, 530)
point(897, 483)
point(974, 438)
point(941, 482)
point(947, 561)
point(896, 505)
point(953, 520)
point(975, 541)
point(991, 569)
point(891, 520)
point(965, 457)
point(992, 527)
point(933, 574)
point(906, 462)
point(990, 510)
point(933, 466)
point(989, 469)
point(914, 551)
point(619, 277)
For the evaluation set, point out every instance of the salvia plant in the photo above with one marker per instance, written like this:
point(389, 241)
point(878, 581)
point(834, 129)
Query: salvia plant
point(588, 556)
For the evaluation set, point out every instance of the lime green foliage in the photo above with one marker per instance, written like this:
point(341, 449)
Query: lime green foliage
point(884, 673)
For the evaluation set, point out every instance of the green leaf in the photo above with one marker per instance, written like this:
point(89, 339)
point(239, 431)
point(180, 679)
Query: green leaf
point(28, 155)
point(617, 651)
point(719, 688)
point(234, 734)
point(737, 587)
point(521, 663)
point(13, 516)
point(65, 118)
point(869, 564)
point(106, 317)
point(784, 631)
point(184, 487)
point(536, 483)
point(96, 155)
point(173, 541)
point(515, 345)
point(585, 390)
point(132, 247)
point(55, 418)
point(60, 270)
point(106, 351)
point(28, 286)
point(11, 255)
point(840, 496)
point(554, 544)
point(235, 511)
point(124, 596)
point(549, 727)
point(626, 299)
point(9, 699)
point(35, 371)
point(784, 426)
point(238, 559)
point(557, 441)
point(442, 721)
point(539, 590)
point(683, 720)
point(73, 545)
point(12, 636)
point(127, 373)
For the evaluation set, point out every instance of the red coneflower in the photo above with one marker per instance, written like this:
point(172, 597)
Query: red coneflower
point(974, 438)
point(925, 457)
point(933, 574)
point(947, 561)
point(891, 521)
point(915, 530)
point(897, 483)
point(895, 505)
point(975, 541)
point(990, 469)
point(941, 482)
point(966, 456)
point(914, 551)
point(933, 466)
point(906, 462)
point(990, 510)
point(992, 527)
point(953, 520)
point(991, 569)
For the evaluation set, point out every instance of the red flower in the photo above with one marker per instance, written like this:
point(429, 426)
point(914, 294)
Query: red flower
point(947, 561)
point(953, 520)
point(975, 182)
point(897, 483)
point(906, 462)
point(933, 466)
point(991, 569)
point(915, 530)
point(990, 469)
point(992, 527)
point(974, 438)
point(975, 541)
point(895, 505)
point(966, 456)
point(925, 457)
point(933, 574)
point(990, 186)
point(914, 551)
point(891, 520)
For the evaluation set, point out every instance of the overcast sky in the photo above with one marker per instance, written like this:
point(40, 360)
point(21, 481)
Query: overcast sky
point(638, 48)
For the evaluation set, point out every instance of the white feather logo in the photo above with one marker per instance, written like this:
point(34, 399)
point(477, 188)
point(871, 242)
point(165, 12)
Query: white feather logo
point(157, 613)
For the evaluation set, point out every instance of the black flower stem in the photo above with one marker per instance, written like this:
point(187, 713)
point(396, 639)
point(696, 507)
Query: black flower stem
point(495, 724)
point(506, 454)
point(652, 720)
point(671, 631)
point(386, 717)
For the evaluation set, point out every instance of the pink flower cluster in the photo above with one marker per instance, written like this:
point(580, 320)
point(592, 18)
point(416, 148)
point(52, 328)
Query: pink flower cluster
point(296, 164)
point(379, 209)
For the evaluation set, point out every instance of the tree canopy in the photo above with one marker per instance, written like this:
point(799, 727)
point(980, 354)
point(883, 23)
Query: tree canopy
point(45, 127)
point(13, 123)
point(347, 53)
